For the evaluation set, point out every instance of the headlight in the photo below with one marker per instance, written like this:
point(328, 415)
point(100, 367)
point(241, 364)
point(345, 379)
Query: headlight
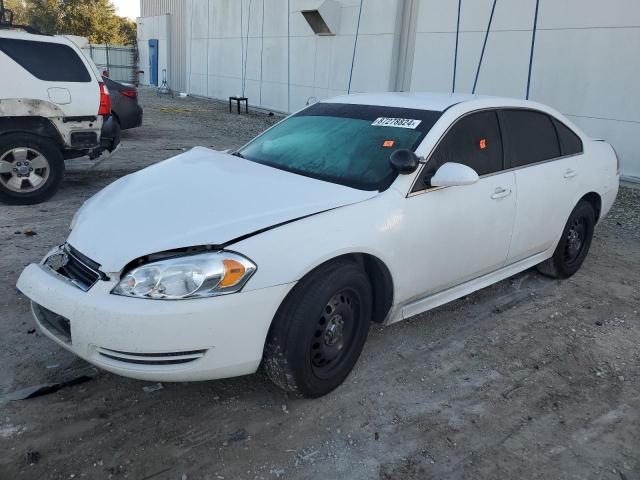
point(201, 275)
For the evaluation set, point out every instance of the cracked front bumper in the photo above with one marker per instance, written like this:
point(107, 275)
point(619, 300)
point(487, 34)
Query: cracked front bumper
point(155, 340)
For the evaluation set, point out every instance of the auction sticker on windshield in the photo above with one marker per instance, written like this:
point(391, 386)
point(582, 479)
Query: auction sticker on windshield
point(396, 122)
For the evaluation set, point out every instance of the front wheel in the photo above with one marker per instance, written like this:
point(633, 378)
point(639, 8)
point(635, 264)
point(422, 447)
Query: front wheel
point(31, 169)
point(320, 330)
point(574, 245)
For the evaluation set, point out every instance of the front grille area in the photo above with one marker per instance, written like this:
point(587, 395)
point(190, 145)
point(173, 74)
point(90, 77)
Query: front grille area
point(166, 358)
point(54, 323)
point(80, 270)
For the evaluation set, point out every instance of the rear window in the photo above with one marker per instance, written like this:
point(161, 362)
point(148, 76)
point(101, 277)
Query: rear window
point(51, 62)
point(531, 137)
point(570, 143)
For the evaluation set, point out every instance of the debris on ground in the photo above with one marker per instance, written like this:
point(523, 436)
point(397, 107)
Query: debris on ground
point(307, 455)
point(238, 435)
point(31, 457)
point(42, 389)
point(152, 388)
point(175, 110)
point(30, 233)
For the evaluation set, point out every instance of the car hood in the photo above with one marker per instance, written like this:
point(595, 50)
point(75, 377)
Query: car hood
point(201, 197)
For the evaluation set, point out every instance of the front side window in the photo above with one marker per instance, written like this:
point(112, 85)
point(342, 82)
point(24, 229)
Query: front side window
point(474, 141)
point(342, 143)
point(51, 62)
point(531, 137)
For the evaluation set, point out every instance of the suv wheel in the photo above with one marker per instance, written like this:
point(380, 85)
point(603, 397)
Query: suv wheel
point(320, 329)
point(31, 169)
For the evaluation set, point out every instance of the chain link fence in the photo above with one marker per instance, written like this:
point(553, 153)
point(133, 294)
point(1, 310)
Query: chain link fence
point(121, 62)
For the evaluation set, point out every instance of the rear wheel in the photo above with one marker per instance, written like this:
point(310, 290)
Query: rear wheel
point(320, 330)
point(31, 169)
point(574, 245)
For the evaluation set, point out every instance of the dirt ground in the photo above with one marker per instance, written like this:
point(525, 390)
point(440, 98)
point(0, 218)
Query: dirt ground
point(530, 378)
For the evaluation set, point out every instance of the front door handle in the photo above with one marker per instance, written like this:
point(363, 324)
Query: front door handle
point(570, 173)
point(501, 192)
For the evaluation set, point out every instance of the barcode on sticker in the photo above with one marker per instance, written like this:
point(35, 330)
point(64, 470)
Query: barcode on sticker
point(396, 122)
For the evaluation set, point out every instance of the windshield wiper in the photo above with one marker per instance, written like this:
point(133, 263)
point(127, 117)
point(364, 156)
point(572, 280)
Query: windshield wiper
point(237, 154)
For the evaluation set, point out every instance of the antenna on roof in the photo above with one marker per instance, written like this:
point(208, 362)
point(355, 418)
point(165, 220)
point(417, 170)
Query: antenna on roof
point(6, 21)
point(6, 15)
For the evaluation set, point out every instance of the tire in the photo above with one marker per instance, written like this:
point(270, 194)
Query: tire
point(41, 164)
point(319, 330)
point(574, 244)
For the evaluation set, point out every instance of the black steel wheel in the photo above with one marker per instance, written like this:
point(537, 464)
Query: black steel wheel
point(335, 333)
point(574, 244)
point(320, 330)
point(575, 240)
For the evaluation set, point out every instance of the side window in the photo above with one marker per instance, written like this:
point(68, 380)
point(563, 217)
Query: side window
point(474, 141)
point(531, 137)
point(570, 143)
point(52, 62)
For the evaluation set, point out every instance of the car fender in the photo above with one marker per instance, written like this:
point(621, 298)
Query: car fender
point(40, 126)
point(44, 118)
point(287, 253)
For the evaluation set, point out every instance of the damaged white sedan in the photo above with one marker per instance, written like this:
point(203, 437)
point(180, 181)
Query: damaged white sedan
point(365, 208)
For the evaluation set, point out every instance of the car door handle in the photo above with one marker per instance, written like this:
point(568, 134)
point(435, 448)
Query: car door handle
point(501, 193)
point(570, 173)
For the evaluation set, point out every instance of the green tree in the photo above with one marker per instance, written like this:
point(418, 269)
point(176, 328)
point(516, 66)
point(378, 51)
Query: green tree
point(94, 19)
point(128, 31)
point(19, 10)
point(45, 15)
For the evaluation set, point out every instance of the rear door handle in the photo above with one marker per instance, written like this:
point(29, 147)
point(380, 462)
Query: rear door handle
point(501, 192)
point(570, 173)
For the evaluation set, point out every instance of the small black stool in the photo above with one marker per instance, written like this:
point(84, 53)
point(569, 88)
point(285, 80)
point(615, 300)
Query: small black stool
point(238, 100)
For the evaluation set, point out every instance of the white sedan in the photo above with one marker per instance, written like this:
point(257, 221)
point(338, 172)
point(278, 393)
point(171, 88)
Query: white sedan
point(363, 208)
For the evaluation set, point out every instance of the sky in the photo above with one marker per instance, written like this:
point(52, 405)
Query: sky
point(127, 8)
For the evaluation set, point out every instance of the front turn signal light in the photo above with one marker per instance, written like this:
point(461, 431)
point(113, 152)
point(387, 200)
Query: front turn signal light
point(233, 273)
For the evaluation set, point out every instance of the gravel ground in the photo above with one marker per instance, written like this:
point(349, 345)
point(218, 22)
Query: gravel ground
point(529, 378)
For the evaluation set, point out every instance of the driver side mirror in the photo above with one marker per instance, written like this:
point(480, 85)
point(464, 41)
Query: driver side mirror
point(404, 161)
point(453, 174)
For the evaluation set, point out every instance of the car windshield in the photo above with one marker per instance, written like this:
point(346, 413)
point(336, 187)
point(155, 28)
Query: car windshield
point(342, 143)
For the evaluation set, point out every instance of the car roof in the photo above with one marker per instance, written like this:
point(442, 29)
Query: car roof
point(37, 37)
point(438, 102)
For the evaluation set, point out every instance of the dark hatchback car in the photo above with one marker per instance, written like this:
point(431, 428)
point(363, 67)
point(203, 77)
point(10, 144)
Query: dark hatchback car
point(124, 104)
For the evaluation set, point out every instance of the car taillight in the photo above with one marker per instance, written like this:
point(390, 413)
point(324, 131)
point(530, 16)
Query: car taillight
point(129, 93)
point(105, 100)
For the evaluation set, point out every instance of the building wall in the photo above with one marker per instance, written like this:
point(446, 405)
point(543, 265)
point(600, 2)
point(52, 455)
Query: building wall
point(285, 63)
point(154, 27)
point(586, 61)
point(176, 60)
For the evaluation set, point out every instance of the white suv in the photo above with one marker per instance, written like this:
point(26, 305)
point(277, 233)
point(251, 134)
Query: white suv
point(53, 106)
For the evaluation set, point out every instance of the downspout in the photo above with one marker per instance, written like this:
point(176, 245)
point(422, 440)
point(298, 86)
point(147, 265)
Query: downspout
point(533, 45)
point(484, 46)
point(355, 46)
point(455, 55)
point(288, 56)
point(261, 53)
